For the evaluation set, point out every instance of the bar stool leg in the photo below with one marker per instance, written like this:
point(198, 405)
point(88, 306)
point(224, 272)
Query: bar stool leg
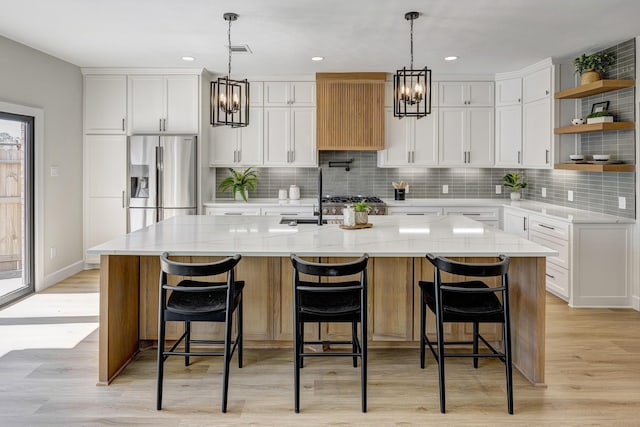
point(476, 332)
point(187, 341)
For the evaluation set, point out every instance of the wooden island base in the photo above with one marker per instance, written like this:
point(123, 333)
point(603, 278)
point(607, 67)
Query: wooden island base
point(129, 306)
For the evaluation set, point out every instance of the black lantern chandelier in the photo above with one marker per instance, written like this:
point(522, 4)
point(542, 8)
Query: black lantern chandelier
point(230, 98)
point(412, 88)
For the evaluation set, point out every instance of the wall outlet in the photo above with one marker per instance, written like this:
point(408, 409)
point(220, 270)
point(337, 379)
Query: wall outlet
point(622, 203)
point(55, 171)
point(445, 189)
point(53, 252)
point(544, 192)
point(498, 189)
point(570, 195)
point(406, 189)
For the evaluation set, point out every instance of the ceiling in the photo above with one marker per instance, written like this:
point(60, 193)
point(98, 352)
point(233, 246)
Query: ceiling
point(489, 36)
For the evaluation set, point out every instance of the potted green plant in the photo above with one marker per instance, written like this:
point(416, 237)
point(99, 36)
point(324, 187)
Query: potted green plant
point(516, 182)
point(239, 182)
point(362, 211)
point(600, 117)
point(590, 66)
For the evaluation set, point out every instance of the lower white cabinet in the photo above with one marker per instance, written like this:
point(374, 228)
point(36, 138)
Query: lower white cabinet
point(593, 262)
point(232, 210)
point(413, 210)
point(105, 215)
point(288, 211)
point(489, 216)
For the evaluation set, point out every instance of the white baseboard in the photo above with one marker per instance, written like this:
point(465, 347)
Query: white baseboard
point(635, 302)
point(61, 274)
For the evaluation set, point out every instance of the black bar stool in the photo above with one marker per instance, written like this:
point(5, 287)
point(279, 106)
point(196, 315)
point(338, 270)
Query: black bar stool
point(335, 301)
point(470, 301)
point(199, 301)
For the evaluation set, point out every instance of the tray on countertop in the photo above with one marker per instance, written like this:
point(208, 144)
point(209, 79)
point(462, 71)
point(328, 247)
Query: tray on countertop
point(356, 227)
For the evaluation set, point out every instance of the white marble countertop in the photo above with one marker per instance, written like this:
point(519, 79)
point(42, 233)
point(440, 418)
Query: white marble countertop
point(576, 216)
point(390, 236)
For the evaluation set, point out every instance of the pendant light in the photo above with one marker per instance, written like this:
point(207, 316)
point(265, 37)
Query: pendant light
point(229, 98)
point(412, 88)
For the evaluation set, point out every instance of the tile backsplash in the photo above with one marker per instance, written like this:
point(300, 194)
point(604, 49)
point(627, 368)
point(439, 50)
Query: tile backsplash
point(593, 191)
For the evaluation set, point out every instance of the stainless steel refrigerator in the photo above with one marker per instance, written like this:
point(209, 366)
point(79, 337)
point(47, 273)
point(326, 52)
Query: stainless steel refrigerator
point(162, 178)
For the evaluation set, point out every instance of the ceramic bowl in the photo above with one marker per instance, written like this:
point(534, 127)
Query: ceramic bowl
point(576, 157)
point(601, 157)
point(577, 121)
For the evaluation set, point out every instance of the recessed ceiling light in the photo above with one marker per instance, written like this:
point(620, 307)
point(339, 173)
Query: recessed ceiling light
point(188, 58)
point(450, 58)
point(317, 58)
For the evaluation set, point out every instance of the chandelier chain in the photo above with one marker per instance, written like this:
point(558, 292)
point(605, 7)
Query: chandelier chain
point(229, 45)
point(412, 43)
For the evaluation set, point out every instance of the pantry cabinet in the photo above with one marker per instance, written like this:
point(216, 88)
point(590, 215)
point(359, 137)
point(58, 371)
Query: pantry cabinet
point(105, 104)
point(164, 104)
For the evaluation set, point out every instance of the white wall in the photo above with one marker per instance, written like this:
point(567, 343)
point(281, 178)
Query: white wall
point(31, 78)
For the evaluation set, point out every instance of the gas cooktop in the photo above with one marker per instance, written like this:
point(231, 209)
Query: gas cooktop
point(350, 199)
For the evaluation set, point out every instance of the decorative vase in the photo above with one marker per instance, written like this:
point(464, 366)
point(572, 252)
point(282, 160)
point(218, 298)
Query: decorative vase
point(349, 217)
point(602, 119)
point(589, 76)
point(237, 195)
point(362, 217)
point(515, 195)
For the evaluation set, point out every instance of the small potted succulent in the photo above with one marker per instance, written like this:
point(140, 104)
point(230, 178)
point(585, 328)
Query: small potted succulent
point(239, 182)
point(516, 182)
point(362, 211)
point(590, 66)
point(600, 117)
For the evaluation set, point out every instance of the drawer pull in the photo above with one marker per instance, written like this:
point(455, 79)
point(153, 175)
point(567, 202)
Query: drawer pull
point(414, 213)
point(471, 214)
point(549, 275)
point(547, 227)
point(233, 213)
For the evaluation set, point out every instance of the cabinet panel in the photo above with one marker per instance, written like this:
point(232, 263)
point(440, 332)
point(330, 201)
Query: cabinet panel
point(285, 94)
point(516, 222)
point(303, 137)
point(240, 210)
point(509, 136)
point(557, 281)
point(480, 137)
point(391, 299)
point(181, 104)
point(396, 141)
point(223, 145)
point(480, 94)
point(452, 94)
point(105, 219)
point(277, 130)
point(425, 140)
point(509, 92)
point(452, 127)
point(251, 141)
point(537, 85)
point(105, 104)
point(106, 165)
point(303, 94)
point(146, 103)
point(536, 133)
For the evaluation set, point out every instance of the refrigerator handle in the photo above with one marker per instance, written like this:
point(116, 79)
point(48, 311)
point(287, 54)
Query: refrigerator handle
point(159, 175)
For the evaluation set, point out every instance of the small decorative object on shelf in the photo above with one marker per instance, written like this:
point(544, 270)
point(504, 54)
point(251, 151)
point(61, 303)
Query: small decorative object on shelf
point(577, 122)
point(239, 182)
point(600, 117)
point(362, 211)
point(590, 66)
point(516, 182)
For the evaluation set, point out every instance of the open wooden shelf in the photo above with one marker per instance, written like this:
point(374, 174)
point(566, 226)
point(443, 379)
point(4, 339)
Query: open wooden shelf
point(596, 167)
point(595, 127)
point(594, 88)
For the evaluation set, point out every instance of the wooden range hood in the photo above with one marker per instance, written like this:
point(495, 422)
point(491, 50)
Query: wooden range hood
point(350, 111)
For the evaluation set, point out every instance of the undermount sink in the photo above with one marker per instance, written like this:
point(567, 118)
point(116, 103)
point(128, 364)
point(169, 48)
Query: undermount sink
point(296, 221)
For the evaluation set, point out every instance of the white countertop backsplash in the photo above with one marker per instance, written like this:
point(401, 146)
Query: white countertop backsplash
point(552, 211)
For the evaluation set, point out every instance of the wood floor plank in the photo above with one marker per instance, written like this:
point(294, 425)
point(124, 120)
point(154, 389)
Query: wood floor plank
point(592, 378)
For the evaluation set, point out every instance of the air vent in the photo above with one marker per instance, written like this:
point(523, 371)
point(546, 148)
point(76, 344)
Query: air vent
point(243, 48)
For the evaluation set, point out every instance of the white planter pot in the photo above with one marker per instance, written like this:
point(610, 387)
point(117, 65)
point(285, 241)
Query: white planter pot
point(604, 119)
point(349, 217)
point(362, 218)
point(237, 196)
point(515, 196)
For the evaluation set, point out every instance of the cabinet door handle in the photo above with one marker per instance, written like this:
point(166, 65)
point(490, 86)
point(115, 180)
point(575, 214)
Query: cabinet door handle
point(546, 92)
point(549, 275)
point(123, 203)
point(524, 223)
point(293, 156)
point(235, 156)
point(122, 125)
point(239, 156)
point(470, 214)
point(233, 213)
point(408, 156)
point(160, 125)
point(547, 227)
point(518, 157)
point(546, 154)
point(519, 100)
point(164, 125)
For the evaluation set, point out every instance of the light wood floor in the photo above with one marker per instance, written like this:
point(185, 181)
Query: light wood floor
point(593, 378)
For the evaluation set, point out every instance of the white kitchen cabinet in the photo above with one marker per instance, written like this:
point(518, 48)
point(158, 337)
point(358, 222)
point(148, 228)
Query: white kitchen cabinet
point(105, 172)
point(256, 95)
point(289, 94)
point(409, 141)
point(489, 216)
point(238, 146)
point(509, 92)
point(537, 134)
point(414, 210)
point(288, 211)
point(105, 104)
point(537, 85)
point(164, 104)
point(465, 136)
point(232, 210)
point(509, 136)
point(465, 94)
point(290, 136)
point(515, 222)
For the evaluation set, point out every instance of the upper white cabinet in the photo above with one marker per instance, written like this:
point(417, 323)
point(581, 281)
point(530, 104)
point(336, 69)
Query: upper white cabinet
point(508, 92)
point(290, 136)
point(509, 122)
point(163, 104)
point(537, 129)
point(409, 141)
point(105, 104)
point(289, 94)
point(461, 94)
point(238, 146)
point(537, 85)
point(466, 136)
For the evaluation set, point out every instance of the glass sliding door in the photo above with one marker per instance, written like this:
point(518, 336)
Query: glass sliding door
point(16, 206)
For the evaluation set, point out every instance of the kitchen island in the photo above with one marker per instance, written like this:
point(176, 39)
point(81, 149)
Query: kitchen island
point(397, 246)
